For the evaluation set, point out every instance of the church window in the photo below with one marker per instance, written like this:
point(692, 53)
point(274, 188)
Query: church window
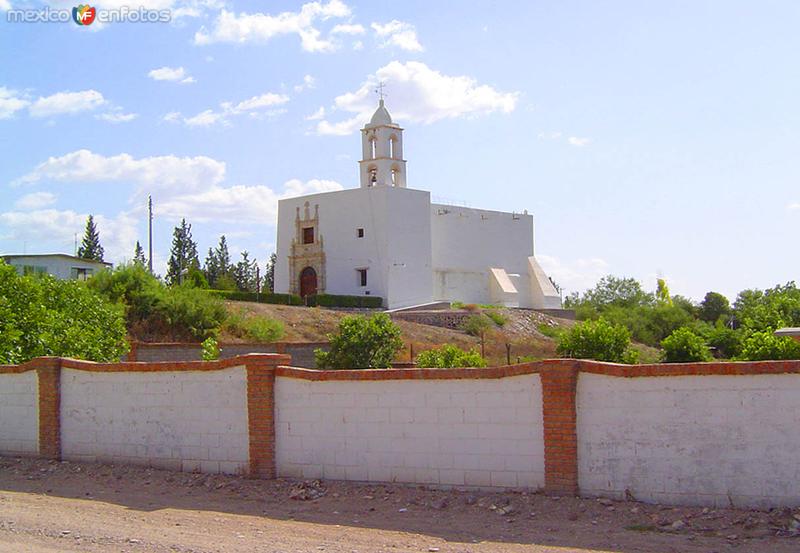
point(373, 147)
point(308, 235)
point(360, 233)
point(394, 176)
point(393, 147)
point(362, 277)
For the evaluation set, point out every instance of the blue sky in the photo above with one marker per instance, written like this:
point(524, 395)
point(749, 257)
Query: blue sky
point(647, 139)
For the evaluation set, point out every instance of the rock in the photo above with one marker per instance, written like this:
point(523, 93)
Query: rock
point(433, 549)
point(732, 537)
point(634, 510)
point(605, 502)
point(573, 517)
point(470, 500)
point(403, 510)
point(507, 510)
point(439, 504)
point(308, 490)
point(678, 525)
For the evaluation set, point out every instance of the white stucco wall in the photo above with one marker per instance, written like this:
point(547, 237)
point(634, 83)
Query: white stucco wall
point(19, 417)
point(467, 242)
point(187, 420)
point(60, 266)
point(474, 433)
point(691, 440)
point(395, 248)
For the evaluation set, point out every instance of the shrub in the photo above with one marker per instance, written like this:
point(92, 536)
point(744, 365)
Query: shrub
point(498, 318)
point(765, 346)
point(551, 331)
point(726, 342)
point(476, 325)
point(684, 346)
point(331, 300)
point(448, 356)
point(236, 295)
point(40, 315)
point(259, 329)
point(362, 343)
point(598, 340)
point(180, 309)
point(210, 349)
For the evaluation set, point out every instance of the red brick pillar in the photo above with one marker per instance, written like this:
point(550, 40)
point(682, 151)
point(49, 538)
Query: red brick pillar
point(261, 412)
point(48, 370)
point(559, 387)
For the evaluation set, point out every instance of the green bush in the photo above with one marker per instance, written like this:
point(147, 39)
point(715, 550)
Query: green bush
point(476, 325)
point(210, 349)
point(684, 346)
point(598, 340)
point(322, 300)
point(765, 346)
point(259, 329)
point(331, 300)
point(498, 318)
point(727, 342)
point(448, 356)
point(181, 309)
point(551, 331)
point(236, 295)
point(40, 315)
point(362, 343)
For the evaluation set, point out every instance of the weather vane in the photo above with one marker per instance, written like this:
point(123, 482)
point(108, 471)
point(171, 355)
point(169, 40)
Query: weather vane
point(380, 91)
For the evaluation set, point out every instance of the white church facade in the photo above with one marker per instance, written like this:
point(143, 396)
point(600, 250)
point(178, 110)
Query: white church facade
point(385, 239)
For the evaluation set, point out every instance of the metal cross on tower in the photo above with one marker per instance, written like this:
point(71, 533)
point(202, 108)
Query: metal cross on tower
point(379, 90)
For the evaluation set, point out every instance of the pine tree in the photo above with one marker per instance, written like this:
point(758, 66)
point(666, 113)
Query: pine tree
point(138, 255)
point(90, 247)
point(211, 268)
point(269, 276)
point(183, 255)
point(223, 257)
point(244, 274)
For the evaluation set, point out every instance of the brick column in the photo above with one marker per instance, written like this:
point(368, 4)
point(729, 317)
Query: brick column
point(261, 413)
point(559, 387)
point(48, 371)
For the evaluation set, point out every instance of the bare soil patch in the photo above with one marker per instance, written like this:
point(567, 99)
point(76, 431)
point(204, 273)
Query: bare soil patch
point(49, 506)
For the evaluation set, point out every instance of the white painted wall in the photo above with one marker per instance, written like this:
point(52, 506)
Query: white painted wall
point(19, 416)
point(395, 248)
point(183, 420)
point(474, 433)
point(60, 266)
point(691, 440)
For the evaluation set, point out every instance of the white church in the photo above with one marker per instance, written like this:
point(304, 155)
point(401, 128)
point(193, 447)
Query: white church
point(385, 239)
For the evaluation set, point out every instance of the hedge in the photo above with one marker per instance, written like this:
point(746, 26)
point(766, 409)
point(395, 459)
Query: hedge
point(323, 300)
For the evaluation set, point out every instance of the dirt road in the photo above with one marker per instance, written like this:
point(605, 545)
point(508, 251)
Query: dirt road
point(58, 507)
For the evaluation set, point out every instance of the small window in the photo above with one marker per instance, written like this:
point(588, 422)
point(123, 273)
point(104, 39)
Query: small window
point(308, 235)
point(361, 233)
point(362, 276)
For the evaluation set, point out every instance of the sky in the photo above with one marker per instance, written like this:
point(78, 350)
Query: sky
point(648, 139)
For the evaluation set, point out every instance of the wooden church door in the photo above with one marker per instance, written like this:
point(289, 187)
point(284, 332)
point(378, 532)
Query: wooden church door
point(308, 282)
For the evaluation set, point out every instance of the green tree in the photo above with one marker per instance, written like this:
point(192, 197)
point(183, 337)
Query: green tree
point(477, 325)
point(211, 268)
point(765, 346)
point(362, 343)
point(727, 342)
point(90, 247)
point(598, 340)
point(46, 316)
point(138, 255)
point(244, 274)
point(621, 292)
point(448, 356)
point(662, 293)
point(269, 274)
point(714, 306)
point(771, 309)
point(684, 346)
point(183, 254)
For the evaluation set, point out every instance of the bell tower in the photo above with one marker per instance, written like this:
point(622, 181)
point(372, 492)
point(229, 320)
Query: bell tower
point(382, 162)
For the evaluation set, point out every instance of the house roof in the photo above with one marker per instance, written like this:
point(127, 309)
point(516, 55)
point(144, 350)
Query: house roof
point(788, 331)
point(63, 255)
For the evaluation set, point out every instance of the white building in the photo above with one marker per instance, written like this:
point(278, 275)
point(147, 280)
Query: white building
point(59, 265)
point(384, 239)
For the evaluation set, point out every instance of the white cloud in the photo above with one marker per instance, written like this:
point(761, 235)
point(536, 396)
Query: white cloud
point(358, 45)
point(35, 200)
point(348, 29)
point(317, 115)
point(575, 275)
point(118, 117)
point(178, 74)
point(5, 5)
point(308, 83)
point(398, 33)
point(117, 234)
point(793, 206)
point(256, 107)
point(154, 173)
point(419, 94)
point(261, 27)
point(10, 102)
point(578, 141)
point(66, 103)
point(551, 135)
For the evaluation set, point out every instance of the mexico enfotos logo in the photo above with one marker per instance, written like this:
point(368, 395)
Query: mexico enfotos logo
point(84, 15)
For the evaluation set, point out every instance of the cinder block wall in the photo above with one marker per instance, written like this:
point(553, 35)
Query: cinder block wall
point(706, 434)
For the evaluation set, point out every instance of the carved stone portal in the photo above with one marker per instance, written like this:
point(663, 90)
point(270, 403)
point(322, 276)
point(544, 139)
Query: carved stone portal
point(306, 256)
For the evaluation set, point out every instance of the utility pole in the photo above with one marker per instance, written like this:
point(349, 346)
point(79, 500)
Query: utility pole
point(150, 232)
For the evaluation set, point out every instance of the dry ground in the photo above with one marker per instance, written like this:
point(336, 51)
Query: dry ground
point(305, 324)
point(64, 507)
